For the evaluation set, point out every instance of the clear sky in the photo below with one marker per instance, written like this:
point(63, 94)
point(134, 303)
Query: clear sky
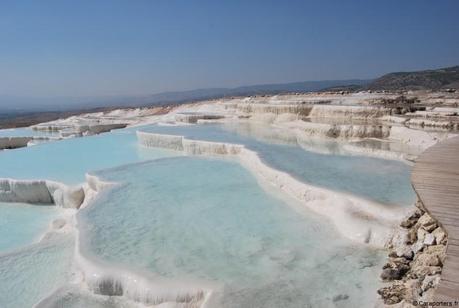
point(91, 48)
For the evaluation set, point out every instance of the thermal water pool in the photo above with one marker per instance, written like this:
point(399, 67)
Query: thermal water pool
point(21, 224)
point(198, 219)
point(277, 254)
point(381, 180)
point(30, 273)
point(68, 160)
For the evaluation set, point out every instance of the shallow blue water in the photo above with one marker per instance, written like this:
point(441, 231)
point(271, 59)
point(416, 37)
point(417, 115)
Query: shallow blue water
point(68, 160)
point(29, 271)
point(30, 274)
point(381, 180)
point(21, 224)
point(208, 219)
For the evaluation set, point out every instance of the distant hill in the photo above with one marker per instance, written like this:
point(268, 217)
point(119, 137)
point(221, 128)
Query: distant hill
point(421, 80)
point(178, 97)
point(443, 78)
point(264, 89)
point(13, 104)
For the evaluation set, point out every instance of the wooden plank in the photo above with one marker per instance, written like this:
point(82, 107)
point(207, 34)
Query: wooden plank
point(435, 179)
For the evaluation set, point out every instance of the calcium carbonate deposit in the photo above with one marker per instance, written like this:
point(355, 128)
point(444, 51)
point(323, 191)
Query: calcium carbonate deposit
point(252, 202)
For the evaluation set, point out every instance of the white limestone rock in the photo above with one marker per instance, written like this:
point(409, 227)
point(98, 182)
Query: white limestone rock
point(160, 140)
point(429, 282)
point(27, 191)
point(427, 223)
point(421, 234)
point(429, 239)
point(439, 235)
point(41, 192)
point(67, 197)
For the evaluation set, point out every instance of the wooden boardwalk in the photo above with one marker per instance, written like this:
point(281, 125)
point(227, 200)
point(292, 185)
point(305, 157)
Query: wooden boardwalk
point(435, 179)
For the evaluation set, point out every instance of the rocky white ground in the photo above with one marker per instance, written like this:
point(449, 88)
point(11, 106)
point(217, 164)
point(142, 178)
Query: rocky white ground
point(414, 120)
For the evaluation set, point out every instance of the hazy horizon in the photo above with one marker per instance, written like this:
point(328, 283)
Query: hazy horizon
point(53, 49)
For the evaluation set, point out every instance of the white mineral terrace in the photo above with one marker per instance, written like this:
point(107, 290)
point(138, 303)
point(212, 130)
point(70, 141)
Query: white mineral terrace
point(357, 122)
point(360, 220)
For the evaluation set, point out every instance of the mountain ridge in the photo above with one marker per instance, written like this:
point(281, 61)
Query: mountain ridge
point(166, 98)
point(432, 79)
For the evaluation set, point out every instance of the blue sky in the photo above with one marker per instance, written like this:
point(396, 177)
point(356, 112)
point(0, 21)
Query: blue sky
point(92, 48)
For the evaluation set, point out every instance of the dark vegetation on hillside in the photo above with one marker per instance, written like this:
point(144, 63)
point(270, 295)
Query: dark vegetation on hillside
point(444, 78)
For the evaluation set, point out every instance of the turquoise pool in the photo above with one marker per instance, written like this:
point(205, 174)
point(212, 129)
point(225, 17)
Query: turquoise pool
point(381, 180)
point(208, 220)
point(196, 219)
